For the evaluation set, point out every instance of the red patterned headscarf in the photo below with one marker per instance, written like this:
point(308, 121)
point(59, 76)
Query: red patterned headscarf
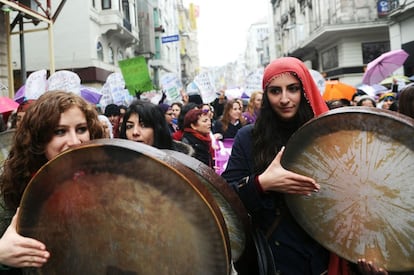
point(294, 65)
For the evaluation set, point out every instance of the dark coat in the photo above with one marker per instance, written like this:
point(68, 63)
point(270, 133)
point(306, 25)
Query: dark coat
point(230, 132)
point(201, 149)
point(294, 251)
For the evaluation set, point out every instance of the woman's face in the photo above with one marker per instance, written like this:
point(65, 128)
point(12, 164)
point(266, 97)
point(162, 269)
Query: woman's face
point(235, 112)
point(284, 93)
point(169, 115)
point(258, 101)
point(387, 103)
point(176, 110)
point(138, 132)
point(203, 124)
point(367, 103)
point(72, 130)
point(106, 129)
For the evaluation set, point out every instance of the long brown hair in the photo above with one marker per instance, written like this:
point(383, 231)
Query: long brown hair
point(225, 119)
point(27, 153)
point(251, 108)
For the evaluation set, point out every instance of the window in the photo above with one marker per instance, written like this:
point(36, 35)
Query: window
point(99, 51)
point(93, 3)
point(111, 55)
point(106, 4)
point(372, 50)
point(125, 8)
point(330, 59)
point(120, 55)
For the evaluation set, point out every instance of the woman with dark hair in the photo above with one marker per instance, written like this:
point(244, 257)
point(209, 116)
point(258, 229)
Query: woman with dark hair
point(57, 121)
point(197, 126)
point(178, 135)
point(145, 122)
point(290, 99)
point(367, 101)
point(406, 101)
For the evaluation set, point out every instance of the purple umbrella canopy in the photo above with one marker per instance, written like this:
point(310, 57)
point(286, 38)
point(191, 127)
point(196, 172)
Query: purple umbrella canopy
point(19, 97)
point(383, 66)
point(90, 94)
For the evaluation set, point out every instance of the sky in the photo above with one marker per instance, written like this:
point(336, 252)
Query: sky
point(222, 28)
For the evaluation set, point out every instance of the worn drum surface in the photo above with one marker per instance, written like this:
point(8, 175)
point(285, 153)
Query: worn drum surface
point(234, 213)
point(6, 140)
point(120, 207)
point(363, 158)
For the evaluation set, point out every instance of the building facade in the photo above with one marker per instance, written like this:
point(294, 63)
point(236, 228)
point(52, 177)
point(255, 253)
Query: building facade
point(256, 54)
point(91, 37)
point(338, 38)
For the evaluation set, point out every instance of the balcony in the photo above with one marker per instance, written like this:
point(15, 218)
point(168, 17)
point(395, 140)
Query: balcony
point(115, 27)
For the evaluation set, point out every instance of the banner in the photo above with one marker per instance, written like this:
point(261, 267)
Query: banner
point(206, 85)
point(171, 86)
point(113, 91)
point(64, 81)
point(193, 12)
point(36, 84)
point(254, 82)
point(136, 75)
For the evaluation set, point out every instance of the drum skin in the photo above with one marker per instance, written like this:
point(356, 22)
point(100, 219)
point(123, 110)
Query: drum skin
point(121, 207)
point(363, 159)
point(234, 213)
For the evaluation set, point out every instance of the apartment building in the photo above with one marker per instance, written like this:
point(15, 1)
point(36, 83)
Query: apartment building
point(340, 37)
point(91, 37)
point(256, 54)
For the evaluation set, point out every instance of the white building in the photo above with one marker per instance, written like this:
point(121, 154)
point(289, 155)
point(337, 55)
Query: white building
point(90, 37)
point(256, 50)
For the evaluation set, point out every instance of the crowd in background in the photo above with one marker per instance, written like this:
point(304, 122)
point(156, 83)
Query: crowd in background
point(190, 126)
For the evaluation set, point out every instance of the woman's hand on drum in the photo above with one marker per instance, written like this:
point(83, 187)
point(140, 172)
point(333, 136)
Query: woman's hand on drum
point(276, 178)
point(368, 268)
point(19, 251)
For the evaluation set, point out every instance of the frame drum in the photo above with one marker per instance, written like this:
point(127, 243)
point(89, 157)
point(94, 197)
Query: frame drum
point(122, 207)
point(363, 158)
point(234, 213)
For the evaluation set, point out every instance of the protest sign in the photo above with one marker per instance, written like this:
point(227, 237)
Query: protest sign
point(136, 75)
point(205, 83)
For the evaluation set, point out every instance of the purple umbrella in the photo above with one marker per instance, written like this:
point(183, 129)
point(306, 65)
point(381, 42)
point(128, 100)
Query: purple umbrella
point(383, 66)
point(19, 97)
point(90, 94)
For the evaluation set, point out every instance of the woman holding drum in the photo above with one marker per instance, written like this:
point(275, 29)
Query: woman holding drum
point(290, 99)
point(56, 122)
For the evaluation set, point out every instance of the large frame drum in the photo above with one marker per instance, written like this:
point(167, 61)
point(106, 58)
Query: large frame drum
point(121, 207)
point(363, 158)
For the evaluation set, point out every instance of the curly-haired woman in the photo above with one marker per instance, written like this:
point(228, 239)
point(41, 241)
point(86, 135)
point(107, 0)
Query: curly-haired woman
point(56, 122)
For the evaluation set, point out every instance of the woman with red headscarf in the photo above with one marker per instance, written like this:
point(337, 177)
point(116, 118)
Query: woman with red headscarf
point(290, 99)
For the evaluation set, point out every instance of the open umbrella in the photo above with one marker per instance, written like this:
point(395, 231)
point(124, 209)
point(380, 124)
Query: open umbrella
point(319, 80)
point(397, 78)
point(335, 89)
point(383, 66)
point(7, 104)
point(91, 94)
point(20, 96)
